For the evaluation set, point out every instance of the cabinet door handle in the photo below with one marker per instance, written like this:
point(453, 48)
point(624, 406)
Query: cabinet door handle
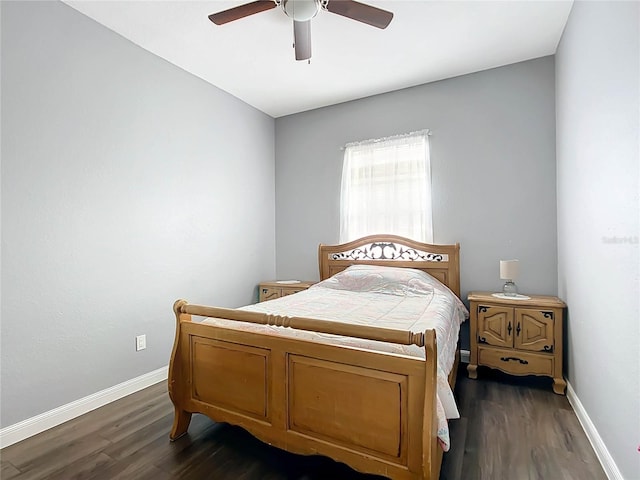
point(518, 330)
point(509, 328)
point(506, 359)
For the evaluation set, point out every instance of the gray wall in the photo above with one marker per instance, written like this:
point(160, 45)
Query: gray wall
point(598, 98)
point(493, 171)
point(126, 184)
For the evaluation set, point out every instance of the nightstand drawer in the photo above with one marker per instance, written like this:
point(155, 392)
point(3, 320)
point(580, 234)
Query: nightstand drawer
point(290, 291)
point(516, 362)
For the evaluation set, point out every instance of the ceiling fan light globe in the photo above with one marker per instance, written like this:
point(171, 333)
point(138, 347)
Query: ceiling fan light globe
point(301, 10)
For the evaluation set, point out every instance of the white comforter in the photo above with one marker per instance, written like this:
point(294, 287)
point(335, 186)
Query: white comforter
point(398, 298)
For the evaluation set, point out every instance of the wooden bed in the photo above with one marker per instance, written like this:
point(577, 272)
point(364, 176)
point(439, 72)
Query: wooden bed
point(374, 411)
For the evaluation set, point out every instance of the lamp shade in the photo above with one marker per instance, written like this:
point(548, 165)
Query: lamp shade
point(509, 269)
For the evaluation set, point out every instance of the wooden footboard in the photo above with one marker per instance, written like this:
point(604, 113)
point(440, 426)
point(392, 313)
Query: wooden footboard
point(374, 411)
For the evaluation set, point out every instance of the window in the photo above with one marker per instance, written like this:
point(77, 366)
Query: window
point(386, 188)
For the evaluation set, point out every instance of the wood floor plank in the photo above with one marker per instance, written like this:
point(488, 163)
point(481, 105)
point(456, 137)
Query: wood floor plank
point(137, 440)
point(511, 428)
point(137, 469)
point(190, 452)
point(92, 422)
point(452, 462)
point(8, 471)
point(149, 412)
point(44, 465)
point(528, 432)
point(83, 468)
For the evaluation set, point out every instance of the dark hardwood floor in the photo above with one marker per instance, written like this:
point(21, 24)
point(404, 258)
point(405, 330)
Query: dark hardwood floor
point(510, 428)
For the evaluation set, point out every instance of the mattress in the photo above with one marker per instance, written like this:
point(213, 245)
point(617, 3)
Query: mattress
point(388, 297)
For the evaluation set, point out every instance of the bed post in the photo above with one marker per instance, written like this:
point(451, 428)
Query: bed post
point(177, 376)
point(430, 463)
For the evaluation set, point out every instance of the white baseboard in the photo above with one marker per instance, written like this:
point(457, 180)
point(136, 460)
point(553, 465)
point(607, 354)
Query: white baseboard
point(34, 425)
point(465, 356)
point(606, 460)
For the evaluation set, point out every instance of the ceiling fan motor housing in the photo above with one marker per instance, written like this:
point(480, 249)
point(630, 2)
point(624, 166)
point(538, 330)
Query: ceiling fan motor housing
point(301, 10)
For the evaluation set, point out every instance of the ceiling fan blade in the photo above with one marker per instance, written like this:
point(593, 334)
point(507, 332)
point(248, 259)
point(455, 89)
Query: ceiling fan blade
point(302, 39)
point(373, 16)
point(241, 11)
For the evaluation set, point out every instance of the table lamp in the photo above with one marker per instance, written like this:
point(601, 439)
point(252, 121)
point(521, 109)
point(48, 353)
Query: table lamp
point(509, 272)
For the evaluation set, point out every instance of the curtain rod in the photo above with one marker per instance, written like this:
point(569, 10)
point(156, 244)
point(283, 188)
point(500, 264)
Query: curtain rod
point(425, 131)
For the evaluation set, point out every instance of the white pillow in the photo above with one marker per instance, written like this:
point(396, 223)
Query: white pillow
point(390, 280)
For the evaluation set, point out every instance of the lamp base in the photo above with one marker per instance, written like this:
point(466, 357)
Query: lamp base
point(510, 289)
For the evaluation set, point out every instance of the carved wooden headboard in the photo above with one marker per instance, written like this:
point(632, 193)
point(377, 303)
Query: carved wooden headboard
point(440, 261)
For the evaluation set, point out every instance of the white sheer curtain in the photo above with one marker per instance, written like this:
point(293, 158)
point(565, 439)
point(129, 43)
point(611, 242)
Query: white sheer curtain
point(386, 188)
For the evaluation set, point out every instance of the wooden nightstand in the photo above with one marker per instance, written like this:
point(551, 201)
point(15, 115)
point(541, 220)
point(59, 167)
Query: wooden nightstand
point(520, 337)
point(274, 289)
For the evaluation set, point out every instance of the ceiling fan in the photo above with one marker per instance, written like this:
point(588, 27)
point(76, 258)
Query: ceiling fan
point(302, 11)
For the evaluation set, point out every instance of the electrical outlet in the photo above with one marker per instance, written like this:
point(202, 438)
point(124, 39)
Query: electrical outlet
point(141, 342)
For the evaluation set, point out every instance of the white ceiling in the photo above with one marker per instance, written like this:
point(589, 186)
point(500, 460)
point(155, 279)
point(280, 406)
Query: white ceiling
point(253, 59)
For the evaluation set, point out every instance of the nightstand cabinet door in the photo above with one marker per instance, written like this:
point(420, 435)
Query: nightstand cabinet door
point(534, 330)
point(495, 326)
point(269, 293)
